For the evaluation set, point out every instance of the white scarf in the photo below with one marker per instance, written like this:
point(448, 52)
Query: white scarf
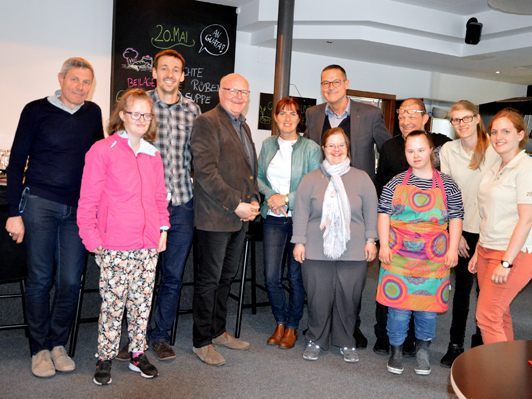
point(336, 211)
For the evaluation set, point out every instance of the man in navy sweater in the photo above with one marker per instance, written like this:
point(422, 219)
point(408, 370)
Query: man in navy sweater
point(45, 169)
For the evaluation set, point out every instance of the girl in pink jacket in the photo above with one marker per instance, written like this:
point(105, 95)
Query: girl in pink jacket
point(123, 219)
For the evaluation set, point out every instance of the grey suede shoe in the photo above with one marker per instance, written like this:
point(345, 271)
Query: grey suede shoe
point(209, 355)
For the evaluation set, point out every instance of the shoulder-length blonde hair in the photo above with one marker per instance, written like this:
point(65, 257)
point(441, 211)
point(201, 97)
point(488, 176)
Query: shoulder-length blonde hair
point(115, 122)
point(483, 142)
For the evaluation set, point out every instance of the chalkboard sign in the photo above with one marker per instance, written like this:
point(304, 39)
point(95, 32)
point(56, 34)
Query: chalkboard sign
point(203, 33)
point(266, 110)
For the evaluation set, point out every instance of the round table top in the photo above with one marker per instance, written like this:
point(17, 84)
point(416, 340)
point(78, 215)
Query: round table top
point(499, 370)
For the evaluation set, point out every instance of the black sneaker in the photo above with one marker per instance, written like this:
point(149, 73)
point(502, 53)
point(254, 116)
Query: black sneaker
point(142, 365)
point(395, 363)
point(422, 358)
point(453, 352)
point(102, 376)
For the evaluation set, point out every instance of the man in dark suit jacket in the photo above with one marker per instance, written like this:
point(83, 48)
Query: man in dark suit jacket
point(412, 115)
point(225, 199)
point(363, 123)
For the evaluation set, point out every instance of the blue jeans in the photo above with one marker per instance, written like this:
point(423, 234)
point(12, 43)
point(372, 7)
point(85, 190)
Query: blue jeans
point(172, 266)
point(398, 320)
point(277, 232)
point(56, 257)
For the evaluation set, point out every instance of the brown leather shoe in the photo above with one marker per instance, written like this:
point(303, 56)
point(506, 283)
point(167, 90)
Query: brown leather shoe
point(289, 339)
point(163, 350)
point(277, 335)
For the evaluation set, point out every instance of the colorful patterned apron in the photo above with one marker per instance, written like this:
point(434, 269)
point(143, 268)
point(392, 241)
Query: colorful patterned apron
point(417, 278)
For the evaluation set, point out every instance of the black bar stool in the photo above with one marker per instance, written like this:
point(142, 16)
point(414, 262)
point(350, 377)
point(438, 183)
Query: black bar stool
point(73, 339)
point(253, 235)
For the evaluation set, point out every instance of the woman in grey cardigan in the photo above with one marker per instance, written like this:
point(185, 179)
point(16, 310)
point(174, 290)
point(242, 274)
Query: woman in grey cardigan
point(283, 161)
point(335, 228)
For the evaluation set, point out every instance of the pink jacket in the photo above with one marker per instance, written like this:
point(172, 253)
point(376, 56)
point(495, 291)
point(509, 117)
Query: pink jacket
point(123, 202)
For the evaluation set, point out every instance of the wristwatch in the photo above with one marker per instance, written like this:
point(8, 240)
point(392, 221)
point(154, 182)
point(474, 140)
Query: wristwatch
point(286, 199)
point(506, 264)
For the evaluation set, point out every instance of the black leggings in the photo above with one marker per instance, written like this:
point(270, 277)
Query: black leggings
point(462, 292)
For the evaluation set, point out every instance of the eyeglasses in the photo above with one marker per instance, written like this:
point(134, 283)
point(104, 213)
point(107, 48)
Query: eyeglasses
point(136, 116)
point(335, 146)
point(401, 111)
point(335, 83)
point(465, 119)
point(234, 92)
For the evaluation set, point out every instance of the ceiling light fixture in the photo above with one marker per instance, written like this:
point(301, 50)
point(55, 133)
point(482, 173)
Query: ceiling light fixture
point(498, 72)
point(512, 6)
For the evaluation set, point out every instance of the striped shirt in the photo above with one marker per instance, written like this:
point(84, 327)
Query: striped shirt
point(455, 207)
point(174, 126)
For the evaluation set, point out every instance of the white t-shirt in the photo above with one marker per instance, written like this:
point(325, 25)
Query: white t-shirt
point(454, 161)
point(279, 170)
point(498, 196)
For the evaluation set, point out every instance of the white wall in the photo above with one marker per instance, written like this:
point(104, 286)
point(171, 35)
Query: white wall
point(37, 36)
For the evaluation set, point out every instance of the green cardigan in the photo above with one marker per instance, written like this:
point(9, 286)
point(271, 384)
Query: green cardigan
point(306, 156)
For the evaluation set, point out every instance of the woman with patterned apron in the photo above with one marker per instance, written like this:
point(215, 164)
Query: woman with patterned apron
point(420, 224)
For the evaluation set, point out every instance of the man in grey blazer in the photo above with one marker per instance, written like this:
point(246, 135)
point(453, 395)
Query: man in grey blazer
point(363, 123)
point(225, 198)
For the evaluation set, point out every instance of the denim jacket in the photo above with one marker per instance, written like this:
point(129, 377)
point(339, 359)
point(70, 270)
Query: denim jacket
point(306, 156)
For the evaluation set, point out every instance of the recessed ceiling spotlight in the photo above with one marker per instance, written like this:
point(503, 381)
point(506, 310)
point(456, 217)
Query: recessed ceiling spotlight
point(497, 72)
point(329, 42)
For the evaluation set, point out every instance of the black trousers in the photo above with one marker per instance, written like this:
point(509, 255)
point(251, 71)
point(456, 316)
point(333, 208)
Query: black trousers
point(219, 255)
point(462, 292)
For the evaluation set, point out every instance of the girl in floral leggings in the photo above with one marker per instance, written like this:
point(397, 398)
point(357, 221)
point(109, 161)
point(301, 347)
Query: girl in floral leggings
point(123, 219)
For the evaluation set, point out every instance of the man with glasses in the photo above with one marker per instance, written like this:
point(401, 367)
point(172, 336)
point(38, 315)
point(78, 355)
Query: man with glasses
point(412, 115)
point(363, 123)
point(175, 115)
point(226, 198)
point(47, 159)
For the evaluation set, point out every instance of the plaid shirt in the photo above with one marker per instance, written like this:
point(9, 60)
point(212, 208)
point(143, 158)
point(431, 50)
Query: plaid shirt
point(174, 126)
